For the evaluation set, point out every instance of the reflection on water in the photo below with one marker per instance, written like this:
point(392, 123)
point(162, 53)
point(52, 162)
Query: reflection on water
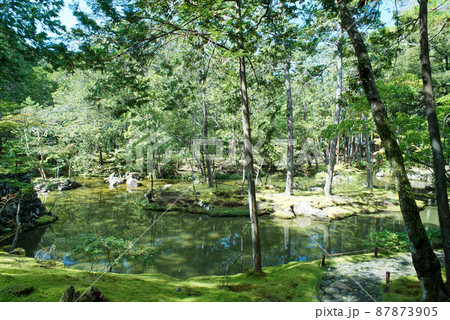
point(187, 244)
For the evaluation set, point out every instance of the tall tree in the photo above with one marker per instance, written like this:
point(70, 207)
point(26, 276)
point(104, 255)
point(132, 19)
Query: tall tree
point(435, 138)
point(290, 125)
point(23, 43)
point(336, 118)
point(257, 266)
point(424, 260)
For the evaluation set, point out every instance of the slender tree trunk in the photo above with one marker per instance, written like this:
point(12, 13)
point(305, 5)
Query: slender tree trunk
point(193, 178)
point(248, 150)
point(290, 125)
point(259, 171)
point(337, 112)
point(152, 170)
point(344, 149)
point(205, 135)
point(287, 244)
point(100, 156)
point(360, 147)
point(267, 174)
point(19, 228)
point(233, 137)
point(368, 157)
point(424, 259)
point(69, 173)
point(435, 139)
point(337, 149)
point(41, 167)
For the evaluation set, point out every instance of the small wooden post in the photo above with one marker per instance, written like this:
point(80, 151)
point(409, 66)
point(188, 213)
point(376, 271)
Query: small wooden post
point(375, 254)
point(388, 277)
point(323, 260)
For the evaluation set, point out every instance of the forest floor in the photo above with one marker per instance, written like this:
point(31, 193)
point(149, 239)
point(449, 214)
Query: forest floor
point(28, 279)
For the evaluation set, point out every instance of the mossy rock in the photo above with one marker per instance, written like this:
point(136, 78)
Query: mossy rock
point(46, 219)
point(282, 214)
point(19, 252)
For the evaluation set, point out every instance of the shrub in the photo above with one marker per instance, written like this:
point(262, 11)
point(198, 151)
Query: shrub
point(398, 240)
point(91, 246)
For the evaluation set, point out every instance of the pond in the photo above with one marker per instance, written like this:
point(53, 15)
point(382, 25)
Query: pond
point(186, 245)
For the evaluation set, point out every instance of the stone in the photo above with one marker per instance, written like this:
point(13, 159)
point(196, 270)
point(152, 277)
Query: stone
point(319, 214)
point(303, 208)
point(133, 183)
point(92, 295)
point(166, 186)
point(133, 175)
point(68, 185)
point(341, 285)
point(116, 181)
point(18, 252)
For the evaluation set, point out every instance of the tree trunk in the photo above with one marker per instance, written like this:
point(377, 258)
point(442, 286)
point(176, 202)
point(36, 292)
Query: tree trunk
point(193, 178)
point(290, 122)
point(41, 167)
point(18, 226)
point(287, 244)
point(69, 173)
point(248, 150)
point(100, 156)
point(337, 112)
point(259, 171)
point(205, 135)
point(337, 149)
point(435, 139)
point(424, 260)
point(369, 160)
point(290, 125)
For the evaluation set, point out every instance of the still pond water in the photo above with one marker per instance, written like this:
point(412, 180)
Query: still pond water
point(188, 245)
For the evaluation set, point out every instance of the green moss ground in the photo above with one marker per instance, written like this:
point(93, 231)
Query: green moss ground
point(25, 279)
point(229, 199)
point(404, 289)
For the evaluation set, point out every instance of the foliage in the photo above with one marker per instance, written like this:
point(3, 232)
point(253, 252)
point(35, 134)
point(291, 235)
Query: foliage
point(93, 246)
point(397, 241)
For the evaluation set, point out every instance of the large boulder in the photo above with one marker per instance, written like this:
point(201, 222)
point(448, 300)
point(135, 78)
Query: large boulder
point(31, 207)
